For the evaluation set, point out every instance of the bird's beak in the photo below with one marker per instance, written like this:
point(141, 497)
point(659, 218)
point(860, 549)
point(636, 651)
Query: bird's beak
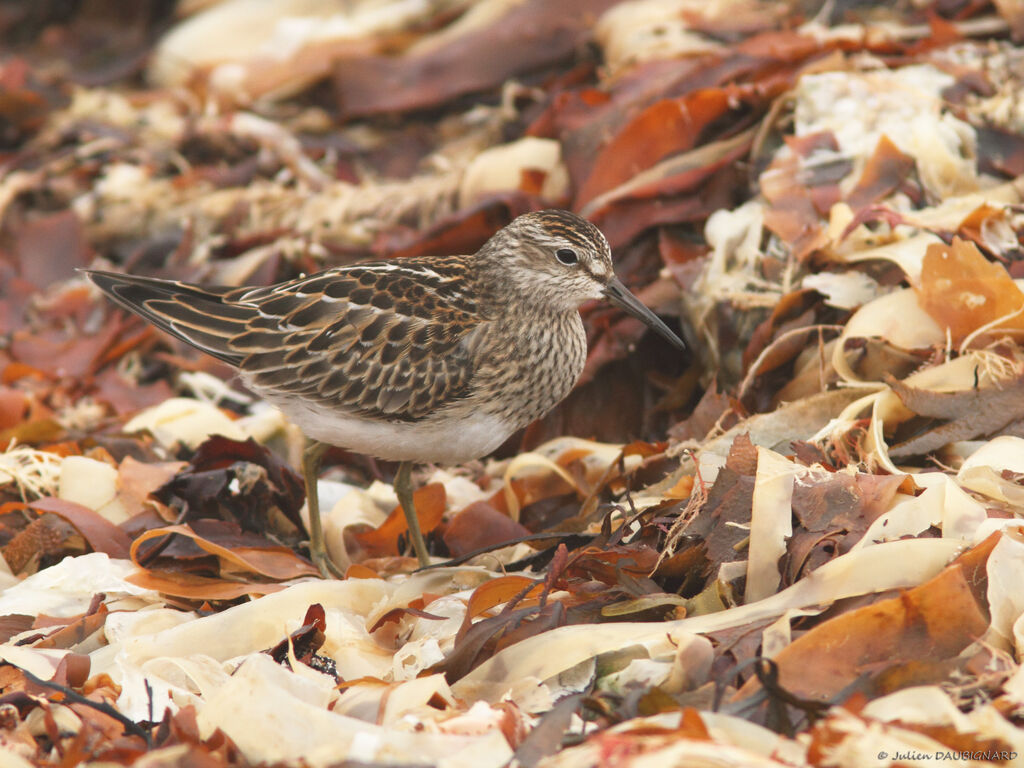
point(620, 296)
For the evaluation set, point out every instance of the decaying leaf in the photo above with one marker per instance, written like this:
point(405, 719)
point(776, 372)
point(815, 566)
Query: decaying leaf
point(966, 293)
point(855, 651)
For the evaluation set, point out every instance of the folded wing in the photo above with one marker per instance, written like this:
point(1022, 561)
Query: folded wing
point(378, 340)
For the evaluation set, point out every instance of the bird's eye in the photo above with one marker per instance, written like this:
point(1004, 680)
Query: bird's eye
point(567, 256)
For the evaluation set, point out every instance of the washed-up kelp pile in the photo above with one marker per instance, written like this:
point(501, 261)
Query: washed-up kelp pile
point(797, 544)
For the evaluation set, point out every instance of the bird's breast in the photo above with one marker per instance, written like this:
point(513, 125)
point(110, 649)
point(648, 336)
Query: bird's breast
point(529, 365)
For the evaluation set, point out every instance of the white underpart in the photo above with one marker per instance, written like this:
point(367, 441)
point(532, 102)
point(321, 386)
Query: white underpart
point(442, 440)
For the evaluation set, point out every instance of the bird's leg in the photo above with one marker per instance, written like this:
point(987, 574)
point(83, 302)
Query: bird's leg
point(317, 549)
point(403, 489)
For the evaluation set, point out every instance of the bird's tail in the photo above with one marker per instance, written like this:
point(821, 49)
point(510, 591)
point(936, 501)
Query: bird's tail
point(198, 316)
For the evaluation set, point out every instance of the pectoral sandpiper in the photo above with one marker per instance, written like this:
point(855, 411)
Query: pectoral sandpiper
point(428, 359)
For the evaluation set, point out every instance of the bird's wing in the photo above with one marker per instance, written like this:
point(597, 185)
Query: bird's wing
point(389, 339)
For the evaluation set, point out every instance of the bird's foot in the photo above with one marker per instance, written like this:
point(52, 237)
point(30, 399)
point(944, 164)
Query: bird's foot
point(325, 565)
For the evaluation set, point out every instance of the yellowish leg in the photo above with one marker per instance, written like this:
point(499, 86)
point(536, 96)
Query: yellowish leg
point(403, 489)
point(317, 549)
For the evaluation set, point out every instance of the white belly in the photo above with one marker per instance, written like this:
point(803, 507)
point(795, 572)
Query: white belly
point(451, 441)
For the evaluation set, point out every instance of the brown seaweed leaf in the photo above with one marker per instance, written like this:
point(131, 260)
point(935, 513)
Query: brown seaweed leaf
point(802, 187)
point(665, 128)
point(192, 586)
point(483, 638)
point(832, 515)
point(478, 526)
point(724, 521)
point(971, 413)
point(239, 481)
point(529, 37)
point(886, 170)
point(235, 550)
point(304, 643)
point(893, 643)
point(77, 630)
point(102, 535)
point(25, 101)
point(46, 539)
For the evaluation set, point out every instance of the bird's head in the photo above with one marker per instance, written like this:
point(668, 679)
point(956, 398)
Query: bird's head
point(561, 260)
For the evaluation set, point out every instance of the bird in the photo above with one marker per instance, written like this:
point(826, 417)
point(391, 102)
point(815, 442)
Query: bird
point(419, 359)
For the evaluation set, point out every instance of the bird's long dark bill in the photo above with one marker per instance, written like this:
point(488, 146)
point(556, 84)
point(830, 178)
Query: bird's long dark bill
point(620, 296)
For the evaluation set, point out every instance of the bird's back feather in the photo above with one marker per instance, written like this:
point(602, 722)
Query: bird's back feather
point(379, 340)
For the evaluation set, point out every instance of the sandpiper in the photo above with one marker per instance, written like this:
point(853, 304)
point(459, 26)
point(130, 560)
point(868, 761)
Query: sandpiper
point(425, 359)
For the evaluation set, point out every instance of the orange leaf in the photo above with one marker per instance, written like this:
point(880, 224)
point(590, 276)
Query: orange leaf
point(962, 290)
point(498, 591)
point(664, 128)
point(63, 449)
point(74, 632)
point(682, 489)
point(17, 370)
point(12, 506)
point(358, 571)
point(971, 227)
point(643, 449)
point(13, 405)
point(383, 540)
point(692, 725)
point(193, 587)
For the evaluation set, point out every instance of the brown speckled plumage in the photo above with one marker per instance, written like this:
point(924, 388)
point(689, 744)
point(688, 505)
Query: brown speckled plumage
point(424, 359)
